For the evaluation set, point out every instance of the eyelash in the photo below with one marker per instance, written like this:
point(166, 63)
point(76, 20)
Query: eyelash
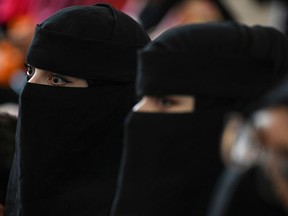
point(164, 101)
point(59, 77)
point(31, 70)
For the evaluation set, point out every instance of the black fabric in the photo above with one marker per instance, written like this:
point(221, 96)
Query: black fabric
point(8, 96)
point(4, 176)
point(209, 75)
point(70, 142)
point(7, 148)
point(166, 171)
point(171, 161)
point(89, 42)
point(216, 59)
point(277, 97)
point(12, 202)
point(254, 196)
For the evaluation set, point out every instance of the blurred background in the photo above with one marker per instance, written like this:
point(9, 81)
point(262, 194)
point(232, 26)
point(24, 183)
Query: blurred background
point(19, 17)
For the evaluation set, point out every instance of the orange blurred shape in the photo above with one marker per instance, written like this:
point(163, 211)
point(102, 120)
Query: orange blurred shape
point(20, 31)
point(11, 61)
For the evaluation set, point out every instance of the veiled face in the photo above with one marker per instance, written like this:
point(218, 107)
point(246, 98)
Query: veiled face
point(44, 77)
point(165, 104)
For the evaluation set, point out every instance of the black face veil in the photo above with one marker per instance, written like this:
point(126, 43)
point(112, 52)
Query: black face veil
point(171, 161)
point(69, 140)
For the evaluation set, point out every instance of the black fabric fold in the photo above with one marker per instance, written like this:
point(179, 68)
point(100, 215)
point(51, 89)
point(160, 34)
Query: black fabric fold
point(70, 148)
point(224, 59)
point(171, 162)
point(70, 41)
point(165, 170)
point(69, 139)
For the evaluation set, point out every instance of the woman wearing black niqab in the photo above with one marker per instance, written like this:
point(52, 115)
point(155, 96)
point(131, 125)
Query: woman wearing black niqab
point(171, 159)
point(69, 138)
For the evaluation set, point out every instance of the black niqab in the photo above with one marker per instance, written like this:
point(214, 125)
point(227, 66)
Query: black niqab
point(172, 161)
point(69, 164)
point(224, 60)
point(69, 140)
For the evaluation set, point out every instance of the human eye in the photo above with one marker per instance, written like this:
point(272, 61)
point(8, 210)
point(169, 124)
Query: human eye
point(57, 79)
point(165, 101)
point(30, 71)
point(174, 103)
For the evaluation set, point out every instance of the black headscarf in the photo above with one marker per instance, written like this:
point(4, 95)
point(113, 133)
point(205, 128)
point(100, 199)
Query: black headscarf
point(224, 60)
point(88, 42)
point(172, 161)
point(69, 140)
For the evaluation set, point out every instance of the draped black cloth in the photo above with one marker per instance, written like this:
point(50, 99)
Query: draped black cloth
point(69, 140)
point(171, 161)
